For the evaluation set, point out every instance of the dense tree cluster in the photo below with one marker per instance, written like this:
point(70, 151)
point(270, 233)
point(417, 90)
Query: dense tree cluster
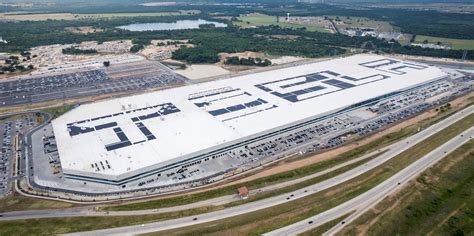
point(250, 61)
point(208, 42)
point(78, 51)
point(196, 55)
point(14, 64)
point(139, 44)
point(136, 48)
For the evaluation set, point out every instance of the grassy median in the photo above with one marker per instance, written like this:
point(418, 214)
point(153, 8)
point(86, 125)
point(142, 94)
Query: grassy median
point(439, 202)
point(324, 227)
point(54, 226)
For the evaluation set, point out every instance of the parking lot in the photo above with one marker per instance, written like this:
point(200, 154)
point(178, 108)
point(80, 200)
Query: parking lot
point(117, 78)
point(10, 128)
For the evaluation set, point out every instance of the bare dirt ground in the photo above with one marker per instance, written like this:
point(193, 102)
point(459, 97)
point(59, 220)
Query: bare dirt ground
point(163, 49)
point(202, 71)
point(83, 30)
point(286, 59)
point(245, 54)
point(276, 60)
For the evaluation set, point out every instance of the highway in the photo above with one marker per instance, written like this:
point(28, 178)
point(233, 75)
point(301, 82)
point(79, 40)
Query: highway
point(283, 198)
point(91, 210)
point(367, 200)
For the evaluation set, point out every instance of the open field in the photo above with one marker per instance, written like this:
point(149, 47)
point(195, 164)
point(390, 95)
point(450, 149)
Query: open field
point(361, 22)
point(455, 43)
point(202, 71)
point(17, 202)
point(70, 16)
point(272, 218)
point(265, 20)
point(439, 202)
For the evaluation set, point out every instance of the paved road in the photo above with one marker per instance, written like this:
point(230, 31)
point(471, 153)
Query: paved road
point(280, 199)
point(367, 200)
point(25, 164)
point(90, 210)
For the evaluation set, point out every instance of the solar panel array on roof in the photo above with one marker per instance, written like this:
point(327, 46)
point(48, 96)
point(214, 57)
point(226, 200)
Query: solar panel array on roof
point(155, 129)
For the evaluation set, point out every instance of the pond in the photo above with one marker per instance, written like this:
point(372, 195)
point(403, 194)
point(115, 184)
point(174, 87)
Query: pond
point(178, 25)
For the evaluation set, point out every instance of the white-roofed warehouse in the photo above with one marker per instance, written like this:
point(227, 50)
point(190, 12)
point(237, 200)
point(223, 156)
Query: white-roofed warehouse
point(122, 139)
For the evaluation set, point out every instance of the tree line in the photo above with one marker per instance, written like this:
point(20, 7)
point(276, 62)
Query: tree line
point(250, 61)
point(208, 41)
point(77, 51)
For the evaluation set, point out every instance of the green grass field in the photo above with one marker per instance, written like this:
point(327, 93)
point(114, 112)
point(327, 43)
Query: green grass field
point(439, 202)
point(58, 111)
point(455, 43)
point(361, 22)
point(21, 203)
point(264, 20)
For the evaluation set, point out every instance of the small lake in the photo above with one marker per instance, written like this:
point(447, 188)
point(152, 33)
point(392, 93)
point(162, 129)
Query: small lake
point(178, 25)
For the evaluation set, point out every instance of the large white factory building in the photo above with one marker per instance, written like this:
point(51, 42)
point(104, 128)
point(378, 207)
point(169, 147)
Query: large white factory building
point(120, 140)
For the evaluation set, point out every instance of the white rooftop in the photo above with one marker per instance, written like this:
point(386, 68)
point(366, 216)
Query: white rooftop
point(189, 119)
